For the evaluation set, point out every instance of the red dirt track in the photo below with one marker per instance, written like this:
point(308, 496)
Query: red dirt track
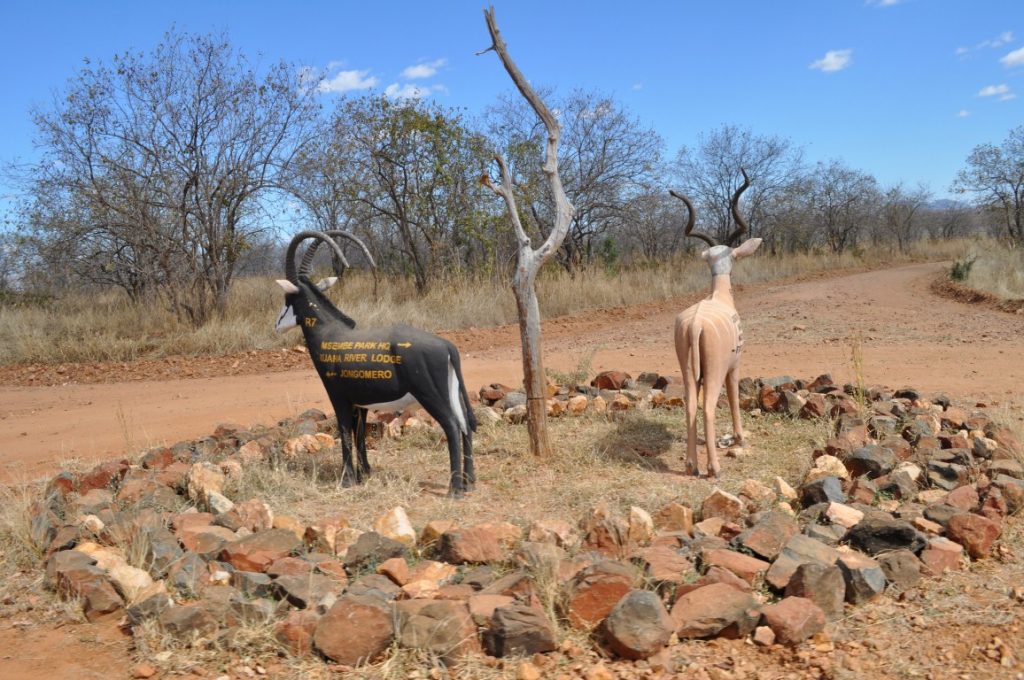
point(909, 336)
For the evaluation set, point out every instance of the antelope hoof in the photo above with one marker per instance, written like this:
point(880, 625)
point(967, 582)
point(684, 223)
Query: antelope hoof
point(727, 441)
point(348, 481)
point(692, 470)
point(457, 494)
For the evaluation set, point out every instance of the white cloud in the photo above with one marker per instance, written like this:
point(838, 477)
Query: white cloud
point(963, 113)
point(1007, 97)
point(637, 87)
point(993, 90)
point(1003, 38)
point(424, 70)
point(344, 81)
point(1015, 58)
point(883, 3)
point(411, 91)
point(834, 60)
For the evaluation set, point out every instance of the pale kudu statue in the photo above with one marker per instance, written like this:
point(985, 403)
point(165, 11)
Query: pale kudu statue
point(709, 340)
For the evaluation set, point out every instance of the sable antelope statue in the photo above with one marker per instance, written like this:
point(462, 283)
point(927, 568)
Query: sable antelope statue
point(708, 337)
point(377, 368)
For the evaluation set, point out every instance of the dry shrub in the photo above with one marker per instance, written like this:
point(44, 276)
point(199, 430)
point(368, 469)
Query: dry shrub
point(998, 269)
point(105, 326)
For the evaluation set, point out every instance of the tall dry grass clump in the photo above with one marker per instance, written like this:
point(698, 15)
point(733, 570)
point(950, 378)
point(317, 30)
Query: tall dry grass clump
point(995, 268)
point(105, 326)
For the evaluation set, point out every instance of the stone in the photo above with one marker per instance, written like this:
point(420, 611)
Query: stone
point(794, 619)
point(714, 574)
point(149, 603)
point(595, 590)
point(66, 560)
point(395, 525)
point(638, 625)
point(290, 524)
point(663, 565)
point(372, 548)
point(443, 628)
point(255, 515)
point(306, 591)
point(763, 636)
point(104, 476)
point(187, 575)
point(219, 503)
point(252, 583)
point(825, 466)
point(767, 537)
point(433, 531)
point(187, 621)
point(641, 526)
point(863, 576)
point(577, 404)
point(828, 489)
point(722, 504)
point(520, 630)
point(356, 629)
point(878, 533)
point(258, 551)
point(975, 533)
point(941, 555)
point(746, 567)
point(474, 544)
point(482, 606)
point(940, 513)
point(376, 586)
point(202, 479)
point(674, 517)
point(823, 584)
point(555, 531)
point(843, 515)
point(715, 610)
point(610, 380)
point(963, 498)
point(605, 533)
point(322, 535)
point(396, 569)
point(873, 461)
point(88, 584)
point(798, 550)
point(901, 568)
point(296, 631)
point(783, 489)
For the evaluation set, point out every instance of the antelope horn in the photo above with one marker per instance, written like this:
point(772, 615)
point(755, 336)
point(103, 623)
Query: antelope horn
point(307, 259)
point(289, 258)
point(691, 220)
point(740, 222)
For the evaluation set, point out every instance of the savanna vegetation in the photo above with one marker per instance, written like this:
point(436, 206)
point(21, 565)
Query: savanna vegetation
point(167, 180)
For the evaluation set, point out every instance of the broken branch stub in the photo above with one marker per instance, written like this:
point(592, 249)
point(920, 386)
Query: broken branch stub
point(530, 260)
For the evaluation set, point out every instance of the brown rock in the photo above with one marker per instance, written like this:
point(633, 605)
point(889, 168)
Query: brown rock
point(715, 610)
point(103, 476)
point(519, 629)
point(974, 532)
point(473, 544)
point(663, 564)
point(798, 550)
point(610, 380)
point(290, 524)
point(595, 590)
point(714, 575)
point(255, 515)
point(746, 567)
point(794, 619)
point(321, 536)
point(295, 632)
point(556, 531)
point(443, 628)
point(433, 531)
point(396, 569)
point(764, 637)
point(258, 551)
point(822, 584)
point(768, 536)
point(356, 629)
point(674, 517)
point(722, 504)
point(605, 533)
point(941, 555)
point(482, 606)
point(963, 498)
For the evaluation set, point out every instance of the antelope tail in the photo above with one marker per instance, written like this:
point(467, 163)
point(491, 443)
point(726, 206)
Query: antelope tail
point(695, 368)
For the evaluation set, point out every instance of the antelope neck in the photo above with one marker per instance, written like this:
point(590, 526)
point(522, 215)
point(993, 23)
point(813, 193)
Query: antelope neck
point(721, 289)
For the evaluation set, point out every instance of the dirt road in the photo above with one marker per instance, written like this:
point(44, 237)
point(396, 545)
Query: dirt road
point(908, 336)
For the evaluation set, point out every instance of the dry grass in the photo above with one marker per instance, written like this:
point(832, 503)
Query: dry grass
point(634, 460)
point(104, 326)
point(997, 269)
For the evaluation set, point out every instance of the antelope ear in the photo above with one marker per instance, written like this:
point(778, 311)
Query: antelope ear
point(746, 248)
point(287, 286)
point(324, 284)
point(705, 254)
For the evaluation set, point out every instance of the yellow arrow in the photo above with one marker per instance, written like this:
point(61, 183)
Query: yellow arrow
point(404, 344)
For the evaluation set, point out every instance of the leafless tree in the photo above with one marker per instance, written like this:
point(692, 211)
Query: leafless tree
point(608, 158)
point(841, 200)
point(709, 173)
point(153, 168)
point(899, 216)
point(995, 175)
point(529, 259)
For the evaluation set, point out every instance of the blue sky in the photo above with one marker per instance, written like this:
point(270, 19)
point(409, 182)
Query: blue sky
point(902, 89)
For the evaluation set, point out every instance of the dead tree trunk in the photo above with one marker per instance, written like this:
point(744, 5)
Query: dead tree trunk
point(530, 260)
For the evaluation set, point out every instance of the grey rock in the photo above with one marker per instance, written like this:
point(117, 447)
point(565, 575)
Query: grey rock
point(879, 533)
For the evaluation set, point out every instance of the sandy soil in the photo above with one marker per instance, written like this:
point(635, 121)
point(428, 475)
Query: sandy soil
point(909, 336)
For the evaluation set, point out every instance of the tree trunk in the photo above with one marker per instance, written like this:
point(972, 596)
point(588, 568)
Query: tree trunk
point(533, 360)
